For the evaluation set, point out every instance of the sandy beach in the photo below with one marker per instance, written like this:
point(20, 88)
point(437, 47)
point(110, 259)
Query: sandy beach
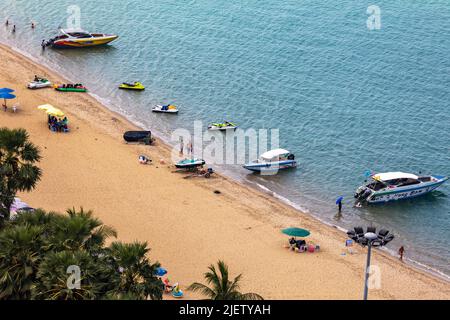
point(186, 224)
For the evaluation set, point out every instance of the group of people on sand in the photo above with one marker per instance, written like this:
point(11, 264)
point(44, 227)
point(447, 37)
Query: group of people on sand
point(58, 125)
point(297, 245)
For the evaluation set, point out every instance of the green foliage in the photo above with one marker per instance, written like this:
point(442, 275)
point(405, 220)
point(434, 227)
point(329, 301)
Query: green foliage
point(37, 248)
point(17, 167)
point(221, 287)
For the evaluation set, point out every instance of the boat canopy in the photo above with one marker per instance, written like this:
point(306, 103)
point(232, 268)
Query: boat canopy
point(277, 153)
point(393, 176)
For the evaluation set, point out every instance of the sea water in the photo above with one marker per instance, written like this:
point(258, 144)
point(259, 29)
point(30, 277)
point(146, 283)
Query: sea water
point(347, 95)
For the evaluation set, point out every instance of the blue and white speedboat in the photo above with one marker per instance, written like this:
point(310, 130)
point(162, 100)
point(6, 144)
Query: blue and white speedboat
point(272, 161)
point(393, 186)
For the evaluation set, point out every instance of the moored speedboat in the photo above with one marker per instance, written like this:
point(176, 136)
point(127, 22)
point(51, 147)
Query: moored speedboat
point(222, 126)
point(78, 38)
point(273, 161)
point(169, 108)
point(393, 186)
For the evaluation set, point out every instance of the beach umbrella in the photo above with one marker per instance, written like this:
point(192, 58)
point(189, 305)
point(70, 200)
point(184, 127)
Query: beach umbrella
point(6, 96)
point(51, 110)
point(160, 272)
point(296, 232)
point(339, 200)
point(7, 90)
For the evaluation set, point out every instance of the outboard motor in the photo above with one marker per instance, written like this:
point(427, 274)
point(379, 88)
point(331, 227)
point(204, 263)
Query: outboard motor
point(291, 157)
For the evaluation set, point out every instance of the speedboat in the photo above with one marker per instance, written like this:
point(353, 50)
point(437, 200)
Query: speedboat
point(39, 83)
point(132, 86)
point(78, 38)
point(71, 88)
point(169, 108)
point(222, 126)
point(190, 163)
point(273, 161)
point(393, 186)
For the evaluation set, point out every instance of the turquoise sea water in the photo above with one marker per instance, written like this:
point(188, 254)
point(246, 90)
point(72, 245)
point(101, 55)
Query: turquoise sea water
point(345, 98)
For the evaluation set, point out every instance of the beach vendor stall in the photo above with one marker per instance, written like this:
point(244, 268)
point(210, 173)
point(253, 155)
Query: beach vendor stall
point(56, 119)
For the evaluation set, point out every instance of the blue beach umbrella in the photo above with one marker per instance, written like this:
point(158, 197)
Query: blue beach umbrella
point(160, 272)
point(8, 90)
point(339, 200)
point(6, 96)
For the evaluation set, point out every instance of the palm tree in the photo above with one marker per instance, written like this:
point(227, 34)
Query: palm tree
point(221, 287)
point(17, 167)
point(137, 274)
point(56, 283)
point(19, 260)
point(79, 230)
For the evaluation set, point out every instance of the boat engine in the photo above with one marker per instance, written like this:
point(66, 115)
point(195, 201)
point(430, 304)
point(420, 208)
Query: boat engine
point(363, 193)
point(291, 157)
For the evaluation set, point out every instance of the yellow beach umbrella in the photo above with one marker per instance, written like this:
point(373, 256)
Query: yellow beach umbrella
point(51, 110)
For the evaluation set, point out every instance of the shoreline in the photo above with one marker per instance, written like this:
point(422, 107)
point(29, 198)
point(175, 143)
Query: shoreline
point(161, 149)
point(111, 107)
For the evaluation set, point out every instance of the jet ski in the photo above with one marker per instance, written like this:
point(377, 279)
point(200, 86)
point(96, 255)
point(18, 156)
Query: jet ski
point(132, 86)
point(169, 108)
point(71, 88)
point(39, 83)
point(222, 126)
point(190, 163)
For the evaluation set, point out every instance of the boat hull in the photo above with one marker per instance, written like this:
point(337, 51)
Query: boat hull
point(404, 193)
point(271, 167)
point(82, 43)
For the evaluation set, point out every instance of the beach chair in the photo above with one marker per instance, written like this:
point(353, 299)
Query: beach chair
point(372, 229)
point(359, 231)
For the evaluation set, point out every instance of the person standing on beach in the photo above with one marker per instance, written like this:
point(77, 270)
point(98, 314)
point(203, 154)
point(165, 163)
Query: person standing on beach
point(401, 251)
point(14, 29)
point(181, 146)
point(32, 25)
point(7, 22)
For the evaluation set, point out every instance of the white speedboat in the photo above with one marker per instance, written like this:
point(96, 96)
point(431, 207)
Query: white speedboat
point(169, 108)
point(39, 83)
point(272, 161)
point(222, 126)
point(393, 186)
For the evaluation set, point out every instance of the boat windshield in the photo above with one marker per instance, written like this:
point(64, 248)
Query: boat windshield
point(402, 182)
point(80, 35)
point(376, 185)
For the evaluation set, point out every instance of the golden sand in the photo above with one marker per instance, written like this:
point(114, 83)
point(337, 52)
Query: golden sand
point(186, 224)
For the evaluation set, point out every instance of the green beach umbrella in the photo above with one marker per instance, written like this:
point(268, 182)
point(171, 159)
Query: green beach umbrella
point(296, 232)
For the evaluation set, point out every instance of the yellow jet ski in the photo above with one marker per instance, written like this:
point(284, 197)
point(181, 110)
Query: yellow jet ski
point(132, 86)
